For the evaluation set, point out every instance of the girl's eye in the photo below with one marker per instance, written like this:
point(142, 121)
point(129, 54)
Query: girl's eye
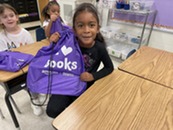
point(11, 15)
point(79, 25)
point(55, 11)
point(92, 25)
point(4, 17)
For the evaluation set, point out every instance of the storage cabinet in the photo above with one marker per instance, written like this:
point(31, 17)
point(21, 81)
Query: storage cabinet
point(27, 9)
point(127, 30)
point(41, 5)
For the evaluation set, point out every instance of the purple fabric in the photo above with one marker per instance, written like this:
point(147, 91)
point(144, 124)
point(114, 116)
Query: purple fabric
point(14, 61)
point(57, 26)
point(56, 69)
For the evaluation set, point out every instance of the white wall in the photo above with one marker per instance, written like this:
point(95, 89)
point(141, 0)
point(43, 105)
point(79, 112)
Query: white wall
point(162, 40)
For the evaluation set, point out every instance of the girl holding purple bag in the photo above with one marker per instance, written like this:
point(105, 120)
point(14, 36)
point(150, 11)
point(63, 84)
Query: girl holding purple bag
point(86, 28)
point(50, 13)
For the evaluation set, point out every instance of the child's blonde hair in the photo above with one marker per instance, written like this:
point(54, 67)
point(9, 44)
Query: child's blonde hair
point(2, 9)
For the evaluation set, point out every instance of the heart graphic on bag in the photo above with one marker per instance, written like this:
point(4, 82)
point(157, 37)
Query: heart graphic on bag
point(66, 50)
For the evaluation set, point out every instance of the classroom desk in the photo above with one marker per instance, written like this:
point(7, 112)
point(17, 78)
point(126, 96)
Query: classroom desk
point(16, 81)
point(152, 64)
point(120, 101)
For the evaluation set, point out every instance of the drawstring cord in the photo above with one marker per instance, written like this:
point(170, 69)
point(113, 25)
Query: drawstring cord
point(50, 79)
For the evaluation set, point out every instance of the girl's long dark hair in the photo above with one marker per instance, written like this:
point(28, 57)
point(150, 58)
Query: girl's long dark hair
point(91, 9)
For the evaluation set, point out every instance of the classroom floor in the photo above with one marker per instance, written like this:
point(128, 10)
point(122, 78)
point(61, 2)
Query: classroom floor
point(27, 120)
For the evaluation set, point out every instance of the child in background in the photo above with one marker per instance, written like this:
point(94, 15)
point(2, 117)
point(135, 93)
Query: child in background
point(87, 29)
point(51, 12)
point(12, 36)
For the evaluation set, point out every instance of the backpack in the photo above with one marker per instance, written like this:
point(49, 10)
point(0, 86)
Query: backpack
point(56, 68)
point(14, 61)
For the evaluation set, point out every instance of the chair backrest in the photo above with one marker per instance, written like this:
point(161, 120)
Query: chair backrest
point(130, 53)
point(40, 34)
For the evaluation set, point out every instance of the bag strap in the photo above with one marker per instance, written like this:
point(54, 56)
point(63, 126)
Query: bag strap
point(49, 84)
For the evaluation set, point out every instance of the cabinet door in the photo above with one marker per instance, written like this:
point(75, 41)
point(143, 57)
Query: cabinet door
point(32, 6)
point(20, 6)
point(41, 5)
point(32, 9)
point(10, 2)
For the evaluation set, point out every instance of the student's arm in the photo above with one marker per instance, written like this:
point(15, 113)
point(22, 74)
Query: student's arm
point(48, 27)
point(106, 70)
point(107, 66)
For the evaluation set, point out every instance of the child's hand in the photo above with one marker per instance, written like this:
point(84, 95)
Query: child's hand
point(54, 37)
point(53, 17)
point(85, 76)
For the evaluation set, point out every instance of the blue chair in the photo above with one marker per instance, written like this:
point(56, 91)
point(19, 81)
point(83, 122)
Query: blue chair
point(40, 34)
point(130, 53)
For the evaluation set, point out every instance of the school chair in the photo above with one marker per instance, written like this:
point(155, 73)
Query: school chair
point(130, 53)
point(15, 105)
point(13, 102)
point(40, 34)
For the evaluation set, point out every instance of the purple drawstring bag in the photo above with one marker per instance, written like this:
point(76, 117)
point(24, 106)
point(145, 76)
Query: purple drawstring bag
point(14, 61)
point(56, 68)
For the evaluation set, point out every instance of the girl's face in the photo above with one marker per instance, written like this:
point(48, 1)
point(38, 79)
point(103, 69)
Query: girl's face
point(54, 9)
point(9, 19)
point(86, 28)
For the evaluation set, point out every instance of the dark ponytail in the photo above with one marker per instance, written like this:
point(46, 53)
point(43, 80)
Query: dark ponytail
point(100, 38)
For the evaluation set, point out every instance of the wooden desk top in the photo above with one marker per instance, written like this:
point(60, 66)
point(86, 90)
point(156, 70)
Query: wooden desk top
point(120, 101)
point(30, 49)
point(152, 64)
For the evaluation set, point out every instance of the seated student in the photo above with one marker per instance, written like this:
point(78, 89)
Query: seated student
point(87, 29)
point(12, 36)
point(50, 13)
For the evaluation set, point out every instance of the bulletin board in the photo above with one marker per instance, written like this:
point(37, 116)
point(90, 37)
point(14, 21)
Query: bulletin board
point(164, 18)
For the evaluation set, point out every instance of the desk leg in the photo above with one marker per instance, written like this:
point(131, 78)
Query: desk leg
point(15, 105)
point(2, 116)
point(7, 96)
